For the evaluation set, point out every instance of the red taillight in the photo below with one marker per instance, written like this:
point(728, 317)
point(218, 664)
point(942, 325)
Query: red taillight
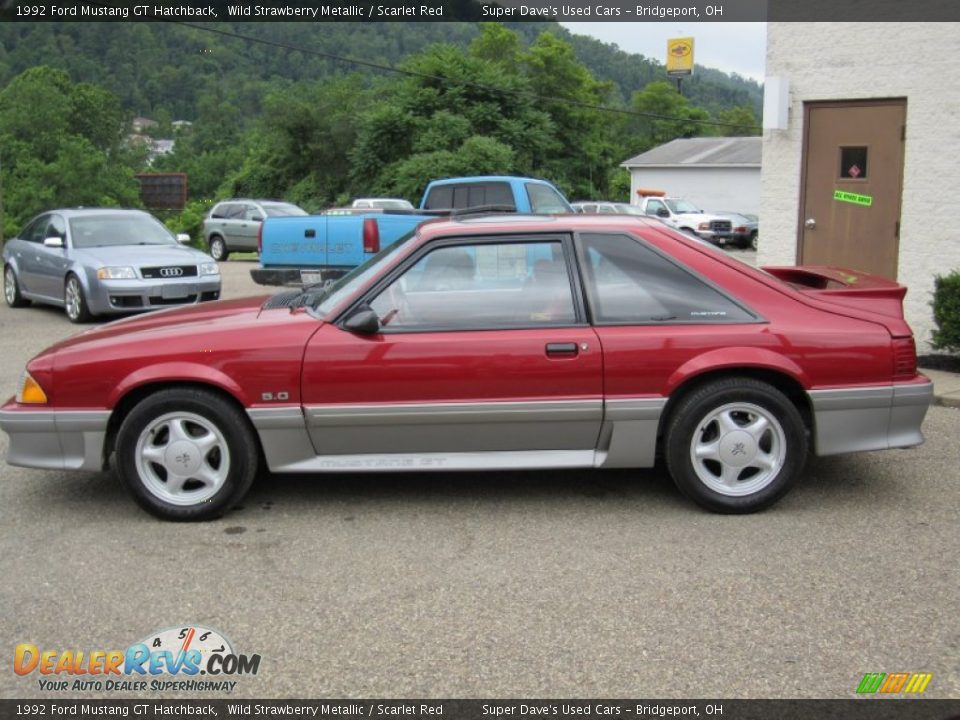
point(904, 358)
point(371, 236)
point(260, 238)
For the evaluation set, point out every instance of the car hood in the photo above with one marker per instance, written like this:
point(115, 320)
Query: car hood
point(142, 255)
point(194, 319)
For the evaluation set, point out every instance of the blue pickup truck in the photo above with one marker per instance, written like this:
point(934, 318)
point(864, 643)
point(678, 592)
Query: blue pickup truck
point(314, 248)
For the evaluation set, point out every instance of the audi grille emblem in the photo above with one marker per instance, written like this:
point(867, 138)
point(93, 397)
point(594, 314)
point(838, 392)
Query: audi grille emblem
point(171, 272)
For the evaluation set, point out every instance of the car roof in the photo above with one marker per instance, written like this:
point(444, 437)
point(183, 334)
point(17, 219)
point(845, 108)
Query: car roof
point(487, 178)
point(515, 224)
point(255, 200)
point(86, 212)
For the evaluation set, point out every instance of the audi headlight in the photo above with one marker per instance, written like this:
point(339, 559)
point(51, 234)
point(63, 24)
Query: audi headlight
point(30, 392)
point(116, 273)
point(209, 269)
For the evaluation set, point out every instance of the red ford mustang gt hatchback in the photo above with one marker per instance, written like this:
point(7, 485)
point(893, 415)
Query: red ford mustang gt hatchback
point(490, 343)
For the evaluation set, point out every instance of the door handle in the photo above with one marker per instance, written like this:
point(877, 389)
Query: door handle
point(566, 349)
point(810, 224)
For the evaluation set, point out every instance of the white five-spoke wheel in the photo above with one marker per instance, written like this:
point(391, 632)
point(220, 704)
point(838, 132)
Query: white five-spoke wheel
point(186, 454)
point(182, 458)
point(74, 301)
point(735, 445)
point(738, 449)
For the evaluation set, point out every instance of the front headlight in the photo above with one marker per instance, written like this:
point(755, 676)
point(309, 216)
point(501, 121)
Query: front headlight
point(116, 273)
point(703, 226)
point(30, 392)
point(209, 269)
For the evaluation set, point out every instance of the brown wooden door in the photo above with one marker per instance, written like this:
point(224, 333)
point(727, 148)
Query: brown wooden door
point(852, 181)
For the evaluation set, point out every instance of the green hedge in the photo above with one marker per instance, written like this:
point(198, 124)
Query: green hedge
point(946, 312)
point(190, 221)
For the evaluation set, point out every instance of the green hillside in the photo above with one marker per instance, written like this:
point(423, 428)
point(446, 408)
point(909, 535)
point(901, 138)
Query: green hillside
point(276, 111)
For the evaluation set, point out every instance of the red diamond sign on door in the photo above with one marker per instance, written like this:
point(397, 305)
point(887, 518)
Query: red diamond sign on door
point(854, 171)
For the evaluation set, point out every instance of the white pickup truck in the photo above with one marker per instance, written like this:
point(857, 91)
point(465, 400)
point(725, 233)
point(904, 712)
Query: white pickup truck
point(686, 217)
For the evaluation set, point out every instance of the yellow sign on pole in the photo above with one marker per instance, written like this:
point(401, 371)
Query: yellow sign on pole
point(680, 56)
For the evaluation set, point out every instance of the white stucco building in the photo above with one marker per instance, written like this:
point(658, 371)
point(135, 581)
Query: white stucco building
point(712, 173)
point(862, 125)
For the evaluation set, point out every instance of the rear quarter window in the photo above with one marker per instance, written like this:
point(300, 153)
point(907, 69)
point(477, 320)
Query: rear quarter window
point(628, 283)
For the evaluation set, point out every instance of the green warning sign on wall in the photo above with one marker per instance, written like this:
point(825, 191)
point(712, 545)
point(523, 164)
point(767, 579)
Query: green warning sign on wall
point(854, 198)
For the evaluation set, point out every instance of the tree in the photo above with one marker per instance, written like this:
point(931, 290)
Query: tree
point(742, 119)
point(61, 146)
point(670, 115)
point(299, 150)
point(582, 150)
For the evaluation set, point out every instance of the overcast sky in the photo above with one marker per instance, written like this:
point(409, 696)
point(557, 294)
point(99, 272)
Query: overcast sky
point(728, 46)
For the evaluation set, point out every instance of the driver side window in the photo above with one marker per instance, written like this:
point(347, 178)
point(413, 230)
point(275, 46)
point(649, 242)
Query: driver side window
point(483, 286)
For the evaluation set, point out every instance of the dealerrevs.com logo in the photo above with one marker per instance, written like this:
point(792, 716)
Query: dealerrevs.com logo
point(191, 658)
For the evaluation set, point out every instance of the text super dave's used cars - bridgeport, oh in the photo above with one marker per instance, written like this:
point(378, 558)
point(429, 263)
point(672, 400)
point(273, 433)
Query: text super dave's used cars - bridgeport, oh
point(486, 343)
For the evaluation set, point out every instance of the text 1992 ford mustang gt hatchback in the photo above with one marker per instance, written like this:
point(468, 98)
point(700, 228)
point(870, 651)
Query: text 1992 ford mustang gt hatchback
point(490, 343)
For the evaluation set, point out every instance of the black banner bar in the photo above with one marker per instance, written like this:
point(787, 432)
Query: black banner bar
point(480, 10)
point(242, 709)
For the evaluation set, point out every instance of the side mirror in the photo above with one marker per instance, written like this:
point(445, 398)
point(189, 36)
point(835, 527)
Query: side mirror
point(56, 242)
point(183, 238)
point(363, 322)
point(663, 212)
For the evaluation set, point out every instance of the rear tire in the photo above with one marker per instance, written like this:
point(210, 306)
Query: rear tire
point(735, 445)
point(11, 289)
point(218, 248)
point(187, 454)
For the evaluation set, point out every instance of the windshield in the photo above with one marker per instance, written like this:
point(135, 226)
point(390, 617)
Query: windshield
point(282, 209)
point(341, 288)
point(681, 206)
point(112, 230)
point(627, 209)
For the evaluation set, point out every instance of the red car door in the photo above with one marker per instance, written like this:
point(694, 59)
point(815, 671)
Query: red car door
point(483, 359)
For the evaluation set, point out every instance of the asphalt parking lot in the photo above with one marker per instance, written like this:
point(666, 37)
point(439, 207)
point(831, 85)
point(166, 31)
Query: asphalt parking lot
point(540, 584)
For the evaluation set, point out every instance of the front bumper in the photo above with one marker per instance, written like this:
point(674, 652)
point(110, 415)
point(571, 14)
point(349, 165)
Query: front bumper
point(877, 418)
point(717, 238)
point(54, 439)
point(124, 296)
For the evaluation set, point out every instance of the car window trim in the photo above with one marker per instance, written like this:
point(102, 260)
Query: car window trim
point(566, 244)
point(588, 284)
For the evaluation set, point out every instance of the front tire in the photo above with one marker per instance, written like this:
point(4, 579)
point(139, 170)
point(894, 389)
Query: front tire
point(74, 301)
point(11, 289)
point(735, 445)
point(218, 248)
point(186, 454)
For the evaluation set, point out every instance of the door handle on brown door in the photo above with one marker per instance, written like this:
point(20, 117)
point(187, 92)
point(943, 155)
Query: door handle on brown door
point(810, 224)
point(562, 349)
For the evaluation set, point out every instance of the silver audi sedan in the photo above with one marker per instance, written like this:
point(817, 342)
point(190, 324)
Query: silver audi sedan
point(101, 261)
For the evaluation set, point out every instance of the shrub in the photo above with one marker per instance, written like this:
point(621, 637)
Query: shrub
point(190, 221)
point(946, 312)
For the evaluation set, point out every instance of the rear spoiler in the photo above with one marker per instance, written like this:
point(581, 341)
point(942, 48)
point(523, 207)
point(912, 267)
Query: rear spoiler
point(851, 288)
